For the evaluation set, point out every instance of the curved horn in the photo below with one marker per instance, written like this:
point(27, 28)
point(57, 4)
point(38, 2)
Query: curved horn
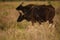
point(21, 3)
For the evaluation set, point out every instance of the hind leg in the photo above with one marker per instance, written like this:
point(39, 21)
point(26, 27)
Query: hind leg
point(33, 23)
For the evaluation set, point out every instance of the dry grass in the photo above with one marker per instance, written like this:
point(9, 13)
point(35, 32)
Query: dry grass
point(11, 30)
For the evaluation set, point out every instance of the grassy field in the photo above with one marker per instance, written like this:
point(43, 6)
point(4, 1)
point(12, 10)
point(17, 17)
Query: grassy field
point(11, 30)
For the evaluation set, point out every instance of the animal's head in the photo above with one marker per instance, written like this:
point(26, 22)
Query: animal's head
point(24, 12)
point(19, 9)
point(20, 18)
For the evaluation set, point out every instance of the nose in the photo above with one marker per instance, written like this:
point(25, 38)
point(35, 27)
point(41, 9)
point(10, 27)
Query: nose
point(18, 20)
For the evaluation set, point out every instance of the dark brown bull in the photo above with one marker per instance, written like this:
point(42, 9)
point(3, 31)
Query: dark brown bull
point(36, 13)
